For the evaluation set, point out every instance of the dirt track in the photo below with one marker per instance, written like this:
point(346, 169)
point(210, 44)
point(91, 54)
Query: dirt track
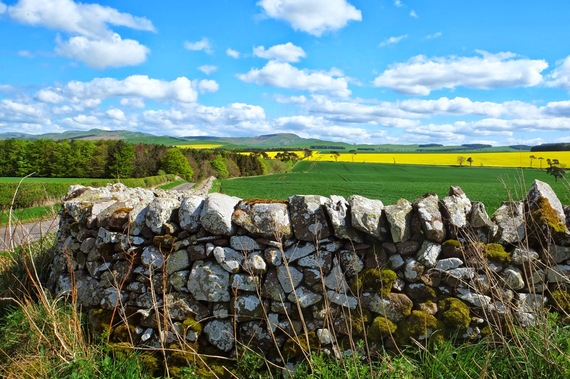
point(25, 233)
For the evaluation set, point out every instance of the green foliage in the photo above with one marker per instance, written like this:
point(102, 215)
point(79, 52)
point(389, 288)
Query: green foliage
point(220, 166)
point(561, 300)
point(174, 162)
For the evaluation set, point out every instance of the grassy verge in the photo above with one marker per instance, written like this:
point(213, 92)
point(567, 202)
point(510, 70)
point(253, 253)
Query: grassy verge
point(171, 185)
point(30, 214)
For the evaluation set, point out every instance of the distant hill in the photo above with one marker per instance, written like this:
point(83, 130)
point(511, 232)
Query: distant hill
point(552, 147)
point(277, 141)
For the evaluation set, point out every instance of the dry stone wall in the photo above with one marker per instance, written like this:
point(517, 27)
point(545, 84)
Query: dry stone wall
point(217, 271)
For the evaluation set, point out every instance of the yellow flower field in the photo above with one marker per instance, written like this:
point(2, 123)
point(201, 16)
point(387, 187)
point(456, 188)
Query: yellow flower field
point(510, 159)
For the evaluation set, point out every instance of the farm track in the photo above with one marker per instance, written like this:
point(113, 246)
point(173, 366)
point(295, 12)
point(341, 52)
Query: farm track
point(19, 234)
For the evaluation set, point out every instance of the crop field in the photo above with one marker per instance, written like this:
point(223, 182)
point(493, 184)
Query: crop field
point(498, 159)
point(389, 182)
point(200, 146)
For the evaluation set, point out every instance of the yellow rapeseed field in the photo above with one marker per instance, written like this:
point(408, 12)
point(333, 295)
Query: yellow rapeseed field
point(510, 159)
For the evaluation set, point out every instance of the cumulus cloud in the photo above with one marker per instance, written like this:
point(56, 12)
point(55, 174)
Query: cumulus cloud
point(91, 40)
point(560, 76)
point(208, 86)
point(233, 53)
point(434, 35)
point(208, 69)
point(284, 75)
point(283, 53)
point(413, 14)
point(3, 8)
point(421, 75)
point(312, 16)
point(103, 53)
point(393, 40)
point(203, 45)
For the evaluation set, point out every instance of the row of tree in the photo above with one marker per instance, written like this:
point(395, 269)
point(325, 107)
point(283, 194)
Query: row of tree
point(120, 159)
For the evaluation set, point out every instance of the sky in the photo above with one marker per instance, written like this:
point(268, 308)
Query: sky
point(359, 71)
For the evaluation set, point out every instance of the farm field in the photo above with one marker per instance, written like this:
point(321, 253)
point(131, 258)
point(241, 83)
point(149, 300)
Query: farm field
point(389, 182)
point(487, 159)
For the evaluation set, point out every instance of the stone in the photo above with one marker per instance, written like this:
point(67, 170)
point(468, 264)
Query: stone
point(273, 256)
point(531, 303)
point(152, 257)
point(457, 207)
point(178, 280)
point(510, 221)
point(228, 258)
point(320, 260)
point(428, 254)
point(289, 277)
point(271, 288)
point(350, 263)
point(366, 215)
point(189, 213)
point(558, 274)
point(342, 299)
point(244, 282)
point(247, 307)
point(339, 214)
point(399, 216)
point(216, 215)
point(298, 251)
point(448, 264)
point(558, 254)
point(413, 270)
point(395, 262)
point(304, 297)
point(177, 261)
point(395, 307)
point(137, 219)
point(476, 299)
point(336, 280)
point(220, 333)
point(208, 281)
point(524, 256)
point(244, 243)
point(159, 213)
point(254, 264)
point(541, 195)
point(268, 220)
point(325, 336)
point(430, 217)
point(308, 217)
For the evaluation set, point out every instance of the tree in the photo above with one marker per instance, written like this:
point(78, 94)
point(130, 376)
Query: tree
point(532, 157)
point(219, 164)
point(121, 159)
point(557, 171)
point(335, 155)
point(307, 153)
point(460, 160)
point(353, 152)
point(540, 159)
point(174, 162)
point(470, 160)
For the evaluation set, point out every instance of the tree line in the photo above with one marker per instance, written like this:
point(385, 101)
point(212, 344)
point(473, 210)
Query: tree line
point(120, 159)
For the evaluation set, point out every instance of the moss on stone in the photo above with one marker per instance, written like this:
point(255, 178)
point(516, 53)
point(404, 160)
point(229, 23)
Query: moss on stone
point(191, 324)
point(359, 322)
point(164, 242)
point(123, 333)
point(453, 243)
point(374, 280)
point(297, 347)
point(496, 252)
point(545, 215)
point(380, 328)
point(561, 300)
point(454, 313)
point(419, 325)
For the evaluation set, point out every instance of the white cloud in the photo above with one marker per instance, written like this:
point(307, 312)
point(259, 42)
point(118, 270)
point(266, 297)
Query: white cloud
point(284, 75)
point(420, 75)
point(49, 96)
point(3, 8)
point(91, 40)
point(208, 86)
point(560, 76)
point(137, 86)
point(208, 69)
point(132, 102)
point(282, 53)
point(398, 3)
point(434, 35)
point(116, 114)
point(203, 45)
point(104, 53)
point(25, 54)
point(393, 40)
point(233, 53)
point(413, 14)
point(312, 16)
point(84, 19)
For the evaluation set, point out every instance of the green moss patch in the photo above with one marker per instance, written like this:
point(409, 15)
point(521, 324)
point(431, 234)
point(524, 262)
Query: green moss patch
point(374, 280)
point(381, 328)
point(454, 313)
point(496, 252)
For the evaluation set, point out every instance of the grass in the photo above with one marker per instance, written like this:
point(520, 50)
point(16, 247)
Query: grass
point(389, 182)
point(171, 185)
point(31, 214)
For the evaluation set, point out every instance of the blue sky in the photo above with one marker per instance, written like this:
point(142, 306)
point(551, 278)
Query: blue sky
point(366, 71)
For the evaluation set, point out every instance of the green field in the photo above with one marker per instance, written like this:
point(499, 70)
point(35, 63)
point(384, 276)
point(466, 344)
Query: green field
point(392, 182)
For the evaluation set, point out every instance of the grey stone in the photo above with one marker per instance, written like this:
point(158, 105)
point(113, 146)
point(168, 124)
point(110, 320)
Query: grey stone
point(395, 307)
point(208, 281)
point(189, 213)
point(336, 280)
point(339, 214)
point(216, 215)
point(244, 243)
point(228, 258)
point(254, 264)
point(476, 299)
point(289, 277)
point(308, 217)
point(522, 256)
point(542, 191)
point(178, 280)
point(430, 218)
point(269, 220)
point(428, 254)
point(159, 213)
point(448, 264)
point(558, 254)
point(152, 257)
point(304, 297)
point(399, 216)
point(558, 274)
point(320, 260)
point(298, 251)
point(245, 282)
point(220, 333)
point(396, 262)
point(177, 261)
point(325, 336)
point(413, 270)
point(366, 215)
point(510, 221)
point(247, 307)
point(350, 263)
point(342, 299)
point(273, 256)
point(457, 206)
